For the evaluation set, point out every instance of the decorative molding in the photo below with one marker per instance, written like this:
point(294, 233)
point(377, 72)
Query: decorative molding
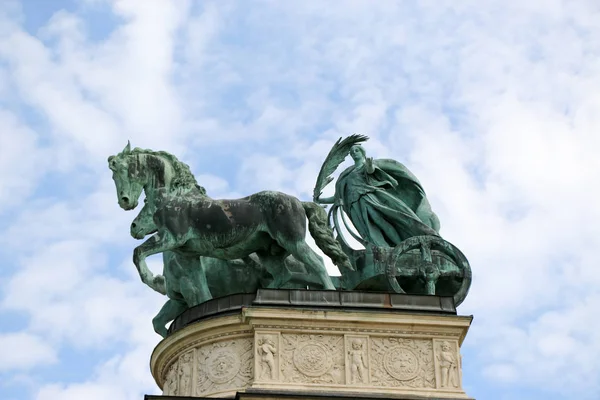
point(312, 358)
point(399, 362)
point(185, 373)
point(396, 332)
point(223, 366)
point(171, 387)
point(310, 355)
point(182, 347)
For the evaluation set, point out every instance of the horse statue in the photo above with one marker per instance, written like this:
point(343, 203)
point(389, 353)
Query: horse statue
point(185, 277)
point(190, 224)
point(182, 276)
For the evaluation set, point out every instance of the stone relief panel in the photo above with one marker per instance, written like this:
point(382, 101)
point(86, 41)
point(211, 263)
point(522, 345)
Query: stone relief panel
point(267, 356)
point(400, 362)
point(184, 373)
point(357, 360)
point(312, 358)
point(171, 381)
point(448, 366)
point(224, 365)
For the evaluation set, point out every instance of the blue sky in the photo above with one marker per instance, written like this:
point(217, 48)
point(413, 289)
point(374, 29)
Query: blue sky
point(493, 104)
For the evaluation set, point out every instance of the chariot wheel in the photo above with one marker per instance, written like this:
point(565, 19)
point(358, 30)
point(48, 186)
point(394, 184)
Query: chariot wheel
point(425, 266)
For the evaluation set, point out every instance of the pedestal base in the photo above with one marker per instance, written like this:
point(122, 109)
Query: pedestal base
point(308, 344)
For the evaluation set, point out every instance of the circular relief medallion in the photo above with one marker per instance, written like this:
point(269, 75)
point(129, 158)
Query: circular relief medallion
point(401, 363)
point(222, 365)
point(312, 359)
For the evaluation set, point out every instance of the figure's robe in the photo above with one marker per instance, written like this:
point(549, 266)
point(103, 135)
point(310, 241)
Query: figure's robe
point(386, 206)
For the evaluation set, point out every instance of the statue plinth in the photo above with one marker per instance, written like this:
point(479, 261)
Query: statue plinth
point(314, 344)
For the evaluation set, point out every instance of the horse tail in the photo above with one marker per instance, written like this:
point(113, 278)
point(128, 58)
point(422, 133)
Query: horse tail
point(323, 235)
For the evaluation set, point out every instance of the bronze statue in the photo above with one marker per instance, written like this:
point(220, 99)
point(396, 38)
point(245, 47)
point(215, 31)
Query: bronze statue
point(383, 199)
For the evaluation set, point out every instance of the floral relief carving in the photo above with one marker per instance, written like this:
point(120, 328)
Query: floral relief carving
point(312, 358)
point(224, 365)
point(401, 362)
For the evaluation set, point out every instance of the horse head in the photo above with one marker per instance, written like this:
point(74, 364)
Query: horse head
point(129, 176)
point(143, 224)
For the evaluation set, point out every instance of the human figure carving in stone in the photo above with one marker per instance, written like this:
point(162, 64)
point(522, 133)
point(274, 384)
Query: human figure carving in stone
point(357, 362)
point(185, 375)
point(384, 200)
point(267, 350)
point(448, 366)
point(171, 384)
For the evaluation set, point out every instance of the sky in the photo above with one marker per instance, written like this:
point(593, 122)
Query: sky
point(493, 104)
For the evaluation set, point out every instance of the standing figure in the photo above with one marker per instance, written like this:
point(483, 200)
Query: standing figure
point(384, 200)
point(185, 375)
point(357, 362)
point(267, 350)
point(171, 384)
point(448, 366)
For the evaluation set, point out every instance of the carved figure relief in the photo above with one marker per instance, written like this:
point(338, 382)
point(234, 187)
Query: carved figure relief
point(358, 365)
point(171, 380)
point(402, 362)
point(448, 366)
point(266, 350)
point(313, 359)
point(185, 374)
point(224, 365)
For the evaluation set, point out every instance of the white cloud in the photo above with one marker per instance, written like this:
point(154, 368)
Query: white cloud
point(96, 96)
point(22, 351)
point(21, 160)
point(491, 105)
point(214, 185)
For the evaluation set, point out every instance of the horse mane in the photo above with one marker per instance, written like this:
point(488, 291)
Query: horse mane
point(183, 175)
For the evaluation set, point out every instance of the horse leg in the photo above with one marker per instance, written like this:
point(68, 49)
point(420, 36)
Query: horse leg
point(313, 262)
point(275, 265)
point(264, 276)
point(157, 243)
point(169, 311)
point(193, 285)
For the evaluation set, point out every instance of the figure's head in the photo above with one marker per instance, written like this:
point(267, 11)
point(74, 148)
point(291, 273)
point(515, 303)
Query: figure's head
point(356, 344)
point(265, 340)
point(129, 177)
point(446, 346)
point(357, 152)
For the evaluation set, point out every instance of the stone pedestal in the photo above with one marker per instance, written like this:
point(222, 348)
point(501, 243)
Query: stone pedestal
point(314, 344)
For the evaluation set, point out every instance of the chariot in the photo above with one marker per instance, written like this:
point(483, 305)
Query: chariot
point(418, 265)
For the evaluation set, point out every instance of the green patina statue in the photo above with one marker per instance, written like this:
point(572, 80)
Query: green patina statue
point(213, 248)
point(185, 277)
point(188, 223)
point(384, 200)
point(387, 206)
